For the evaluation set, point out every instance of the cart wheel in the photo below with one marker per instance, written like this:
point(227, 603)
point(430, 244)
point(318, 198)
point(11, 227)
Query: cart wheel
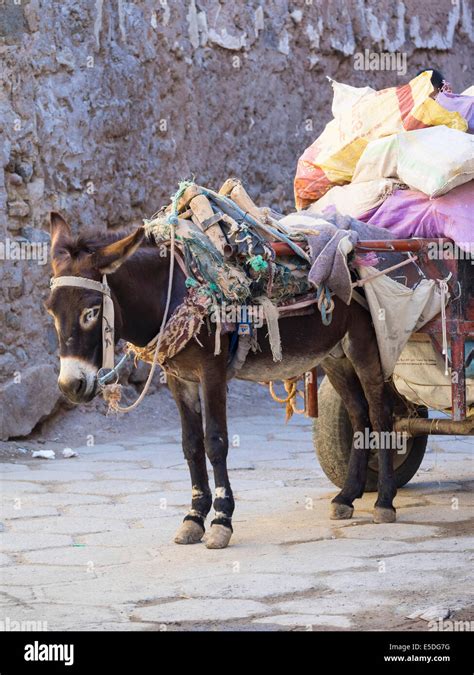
point(332, 437)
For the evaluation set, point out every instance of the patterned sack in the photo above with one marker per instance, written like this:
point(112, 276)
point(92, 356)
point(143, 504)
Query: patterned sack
point(332, 158)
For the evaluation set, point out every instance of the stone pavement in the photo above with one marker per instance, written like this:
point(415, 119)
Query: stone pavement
point(87, 542)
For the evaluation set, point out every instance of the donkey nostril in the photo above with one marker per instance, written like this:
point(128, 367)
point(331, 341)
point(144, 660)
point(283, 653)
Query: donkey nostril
point(80, 386)
point(76, 378)
point(74, 389)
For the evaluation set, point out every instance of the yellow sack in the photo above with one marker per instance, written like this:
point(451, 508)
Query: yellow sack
point(332, 158)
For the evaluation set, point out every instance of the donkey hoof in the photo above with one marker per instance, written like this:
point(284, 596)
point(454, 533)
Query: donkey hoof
point(341, 511)
point(384, 515)
point(218, 537)
point(189, 532)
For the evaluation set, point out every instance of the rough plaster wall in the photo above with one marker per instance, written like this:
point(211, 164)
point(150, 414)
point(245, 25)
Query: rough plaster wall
point(105, 105)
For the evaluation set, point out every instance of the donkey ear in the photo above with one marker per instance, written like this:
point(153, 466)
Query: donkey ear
point(109, 258)
point(59, 229)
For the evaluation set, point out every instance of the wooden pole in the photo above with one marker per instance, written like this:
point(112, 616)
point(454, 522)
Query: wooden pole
point(311, 392)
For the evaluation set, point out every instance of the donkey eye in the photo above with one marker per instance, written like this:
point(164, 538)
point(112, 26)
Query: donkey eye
point(89, 316)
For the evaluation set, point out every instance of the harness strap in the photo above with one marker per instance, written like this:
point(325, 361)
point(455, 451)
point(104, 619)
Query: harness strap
point(81, 282)
point(108, 318)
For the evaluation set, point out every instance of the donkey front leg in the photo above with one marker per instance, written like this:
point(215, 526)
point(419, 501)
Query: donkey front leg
point(214, 389)
point(186, 395)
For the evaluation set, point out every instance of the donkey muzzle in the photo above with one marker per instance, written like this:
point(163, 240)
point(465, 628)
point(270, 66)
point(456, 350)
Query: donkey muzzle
point(77, 379)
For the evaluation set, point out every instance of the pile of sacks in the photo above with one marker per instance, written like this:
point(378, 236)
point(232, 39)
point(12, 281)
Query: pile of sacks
point(396, 159)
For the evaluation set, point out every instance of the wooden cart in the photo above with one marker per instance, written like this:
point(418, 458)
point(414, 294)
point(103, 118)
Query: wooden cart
point(332, 429)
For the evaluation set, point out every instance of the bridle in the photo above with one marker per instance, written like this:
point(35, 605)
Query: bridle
point(108, 370)
point(108, 338)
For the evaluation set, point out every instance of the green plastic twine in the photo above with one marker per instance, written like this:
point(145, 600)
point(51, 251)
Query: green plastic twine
point(173, 217)
point(257, 263)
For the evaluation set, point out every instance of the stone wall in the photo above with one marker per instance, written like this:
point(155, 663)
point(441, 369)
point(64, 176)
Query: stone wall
point(105, 105)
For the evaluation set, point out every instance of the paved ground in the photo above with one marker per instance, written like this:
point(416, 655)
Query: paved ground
point(87, 542)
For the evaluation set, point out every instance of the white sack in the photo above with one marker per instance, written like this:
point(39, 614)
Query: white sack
point(346, 96)
point(355, 199)
point(397, 312)
point(419, 376)
point(432, 160)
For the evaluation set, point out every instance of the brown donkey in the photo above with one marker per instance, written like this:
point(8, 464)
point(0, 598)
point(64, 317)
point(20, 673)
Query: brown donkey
point(138, 281)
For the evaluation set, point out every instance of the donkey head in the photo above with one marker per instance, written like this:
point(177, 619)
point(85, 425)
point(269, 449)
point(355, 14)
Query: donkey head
point(77, 312)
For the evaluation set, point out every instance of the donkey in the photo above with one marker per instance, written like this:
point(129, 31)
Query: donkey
point(138, 280)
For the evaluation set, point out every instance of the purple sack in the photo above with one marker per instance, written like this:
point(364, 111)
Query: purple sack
point(410, 213)
point(464, 105)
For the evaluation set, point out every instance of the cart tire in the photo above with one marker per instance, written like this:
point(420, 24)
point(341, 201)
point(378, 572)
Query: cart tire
point(332, 437)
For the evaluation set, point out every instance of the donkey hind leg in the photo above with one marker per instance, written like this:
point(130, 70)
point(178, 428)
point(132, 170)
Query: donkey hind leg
point(361, 348)
point(344, 379)
point(186, 395)
point(214, 387)
point(384, 510)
